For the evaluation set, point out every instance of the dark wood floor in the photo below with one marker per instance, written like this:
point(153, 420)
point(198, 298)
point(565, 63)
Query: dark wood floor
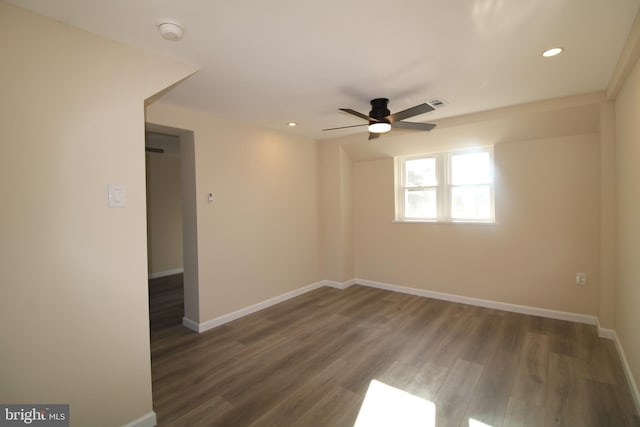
point(309, 361)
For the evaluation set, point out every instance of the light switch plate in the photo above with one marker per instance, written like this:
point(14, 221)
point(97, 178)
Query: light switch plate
point(117, 196)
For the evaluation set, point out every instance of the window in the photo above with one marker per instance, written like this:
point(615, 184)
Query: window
point(446, 187)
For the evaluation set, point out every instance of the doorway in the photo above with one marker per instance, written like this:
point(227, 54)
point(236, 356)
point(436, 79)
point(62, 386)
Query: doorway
point(171, 223)
point(164, 230)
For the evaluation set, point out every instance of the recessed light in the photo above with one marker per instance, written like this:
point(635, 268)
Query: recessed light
point(552, 52)
point(292, 124)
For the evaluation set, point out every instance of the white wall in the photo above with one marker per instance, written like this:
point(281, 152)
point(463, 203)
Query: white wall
point(73, 299)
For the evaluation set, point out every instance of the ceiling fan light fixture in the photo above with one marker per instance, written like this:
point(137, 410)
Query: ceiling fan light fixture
point(380, 120)
point(379, 127)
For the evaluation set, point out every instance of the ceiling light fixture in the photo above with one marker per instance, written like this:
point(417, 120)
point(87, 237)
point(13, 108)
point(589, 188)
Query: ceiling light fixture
point(379, 127)
point(552, 52)
point(292, 124)
point(170, 30)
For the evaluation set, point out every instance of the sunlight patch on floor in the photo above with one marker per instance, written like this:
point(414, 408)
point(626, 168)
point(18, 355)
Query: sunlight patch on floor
point(384, 405)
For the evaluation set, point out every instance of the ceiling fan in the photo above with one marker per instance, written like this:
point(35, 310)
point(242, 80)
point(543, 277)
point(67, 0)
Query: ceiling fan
point(381, 120)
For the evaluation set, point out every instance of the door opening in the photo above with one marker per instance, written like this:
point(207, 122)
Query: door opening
point(171, 226)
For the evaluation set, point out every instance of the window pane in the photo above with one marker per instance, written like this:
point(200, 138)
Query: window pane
point(473, 202)
point(471, 168)
point(420, 172)
point(420, 203)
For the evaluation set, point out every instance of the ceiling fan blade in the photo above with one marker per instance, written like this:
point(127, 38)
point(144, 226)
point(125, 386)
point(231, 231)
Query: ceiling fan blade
point(412, 126)
point(357, 114)
point(410, 112)
point(345, 127)
point(373, 135)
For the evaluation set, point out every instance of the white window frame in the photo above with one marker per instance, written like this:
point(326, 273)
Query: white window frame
point(444, 187)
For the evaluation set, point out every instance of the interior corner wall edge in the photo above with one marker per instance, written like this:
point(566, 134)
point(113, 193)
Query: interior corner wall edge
point(627, 316)
point(606, 312)
point(335, 215)
point(74, 294)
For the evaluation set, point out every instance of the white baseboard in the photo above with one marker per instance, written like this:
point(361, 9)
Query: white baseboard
point(191, 324)
point(338, 285)
point(522, 309)
point(627, 372)
point(166, 273)
point(515, 308)
point(605, 332)
point(210, 324)
point(147, 420)
point(332, 284)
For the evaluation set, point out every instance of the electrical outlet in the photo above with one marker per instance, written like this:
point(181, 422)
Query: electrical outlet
point(581, 279)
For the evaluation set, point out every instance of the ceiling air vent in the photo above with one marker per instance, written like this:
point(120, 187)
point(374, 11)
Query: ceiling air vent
point(437, 103)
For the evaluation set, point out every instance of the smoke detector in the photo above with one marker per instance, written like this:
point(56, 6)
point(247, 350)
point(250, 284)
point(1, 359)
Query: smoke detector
point(170, 30)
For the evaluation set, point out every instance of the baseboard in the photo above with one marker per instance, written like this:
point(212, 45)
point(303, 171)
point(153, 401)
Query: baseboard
point(627, 372)
point(515, 308)
point(210, 324)
point(148, 420)
point(166, 273)
point(605, 332)
point(522, 309)
point(338, 285)
point(191, 324)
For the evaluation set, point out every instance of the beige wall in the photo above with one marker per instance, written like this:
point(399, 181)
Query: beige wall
point(627, 297)
point(287, 214)
point(259, 239)
point(164, 211)
point(606, 314)
point(547, 210)
point(335, 196)
point(73, 298)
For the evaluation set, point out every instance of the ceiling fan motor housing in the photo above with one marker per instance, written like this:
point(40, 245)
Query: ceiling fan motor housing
point(379, 110)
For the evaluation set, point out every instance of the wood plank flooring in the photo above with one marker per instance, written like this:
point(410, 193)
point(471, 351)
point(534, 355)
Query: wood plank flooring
point(309, 361)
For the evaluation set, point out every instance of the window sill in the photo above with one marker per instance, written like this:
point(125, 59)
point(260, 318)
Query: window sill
point(418, 221)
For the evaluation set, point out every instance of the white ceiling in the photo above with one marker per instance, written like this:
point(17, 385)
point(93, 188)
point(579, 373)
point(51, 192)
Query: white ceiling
point(271, 62)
